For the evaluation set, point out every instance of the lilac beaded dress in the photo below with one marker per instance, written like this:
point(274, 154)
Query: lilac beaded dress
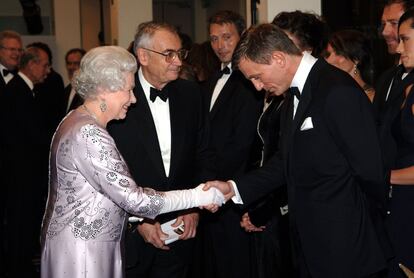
point(90, 193)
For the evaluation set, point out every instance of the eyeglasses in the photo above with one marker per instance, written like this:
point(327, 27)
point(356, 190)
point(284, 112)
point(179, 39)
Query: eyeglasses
point(12, 49)
point(170, 55)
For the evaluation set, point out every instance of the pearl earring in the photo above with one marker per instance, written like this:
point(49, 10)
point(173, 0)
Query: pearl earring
point(103, 106)
point(355, 69)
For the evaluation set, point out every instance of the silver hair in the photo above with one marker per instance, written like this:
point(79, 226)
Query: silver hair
point(146, 30)
point(105, 68)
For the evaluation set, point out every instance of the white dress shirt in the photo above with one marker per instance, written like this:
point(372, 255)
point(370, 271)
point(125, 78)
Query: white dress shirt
point(27, 80)
point(160, 111)
point(301, 75)
point(220, 84)
point(6, 78)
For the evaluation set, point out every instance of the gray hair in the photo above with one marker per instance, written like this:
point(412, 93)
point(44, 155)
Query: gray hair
point(146, 31)
point(32, 53)
point(259, 42)
point(9, 34)
point(104, 68)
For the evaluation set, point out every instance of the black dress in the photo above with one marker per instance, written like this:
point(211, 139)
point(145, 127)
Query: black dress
point(401, 217)
point(271, 256)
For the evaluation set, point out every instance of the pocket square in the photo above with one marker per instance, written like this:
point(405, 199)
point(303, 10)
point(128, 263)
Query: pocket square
point(307, 124)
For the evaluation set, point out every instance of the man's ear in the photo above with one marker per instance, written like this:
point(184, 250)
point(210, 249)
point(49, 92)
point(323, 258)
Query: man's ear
point(279, 58)
point(142, 56)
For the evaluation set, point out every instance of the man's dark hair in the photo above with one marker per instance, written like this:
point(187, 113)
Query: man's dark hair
point(407, 4)
point(259, 42)
point(44, 47)
point(309, 29)
point(228, 17)
point(81, 51)
point(355, 46)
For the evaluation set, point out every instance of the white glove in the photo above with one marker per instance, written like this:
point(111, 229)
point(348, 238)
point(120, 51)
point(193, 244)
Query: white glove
point(211, 196)
point(190, 198)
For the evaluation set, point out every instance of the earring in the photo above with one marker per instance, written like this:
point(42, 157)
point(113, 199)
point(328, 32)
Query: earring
point(355, 69)
point(103, 106)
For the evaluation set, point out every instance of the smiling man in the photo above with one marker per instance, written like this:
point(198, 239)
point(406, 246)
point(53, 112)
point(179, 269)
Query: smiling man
point(10, 53)
point(164, 142)
point(330, 162)
point(234, 108)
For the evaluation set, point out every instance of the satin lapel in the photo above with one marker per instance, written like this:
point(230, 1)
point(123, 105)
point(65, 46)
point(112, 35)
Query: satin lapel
point(146, 131)
point(178, 121)
point(209, 88)
point(225, 93)
point(305, 99)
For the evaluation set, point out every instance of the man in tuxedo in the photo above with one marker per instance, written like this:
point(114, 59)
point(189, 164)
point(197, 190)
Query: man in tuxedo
point(26, 146)
point(234, 108)
point(49, 94)
point(10, 53)
point(71, 99)
point(164, 142)
point(329, 157)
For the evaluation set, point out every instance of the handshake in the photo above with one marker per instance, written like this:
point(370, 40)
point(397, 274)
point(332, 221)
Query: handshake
point(213, 194)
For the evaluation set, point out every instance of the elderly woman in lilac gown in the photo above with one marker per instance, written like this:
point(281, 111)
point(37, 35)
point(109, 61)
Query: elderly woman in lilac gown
point(91, 191)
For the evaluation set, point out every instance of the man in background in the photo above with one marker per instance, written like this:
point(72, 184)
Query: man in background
point(72, 59)
point(234, 108)
point(26, 150)
point(164, 142)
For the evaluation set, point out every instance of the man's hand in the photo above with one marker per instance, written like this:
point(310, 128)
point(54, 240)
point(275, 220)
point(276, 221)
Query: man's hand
point(248, 226)
point(190, 224)
point(153, 234)
point(225, 187)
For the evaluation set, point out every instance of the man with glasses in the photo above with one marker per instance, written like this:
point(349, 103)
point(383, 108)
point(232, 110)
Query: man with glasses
point(164, 142)
point(10, 52)
point(25, 142)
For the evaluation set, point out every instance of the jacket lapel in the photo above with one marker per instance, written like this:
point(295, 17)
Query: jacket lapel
point(305, 99)
point(177, 119)
point(225, 93)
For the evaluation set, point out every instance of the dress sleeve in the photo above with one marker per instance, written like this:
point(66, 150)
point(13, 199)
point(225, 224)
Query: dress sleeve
point(98, 160)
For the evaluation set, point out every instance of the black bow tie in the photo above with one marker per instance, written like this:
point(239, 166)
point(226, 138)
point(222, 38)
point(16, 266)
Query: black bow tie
point(154, 93)
point(295, 92)
point(6, 72)
point(226, 70)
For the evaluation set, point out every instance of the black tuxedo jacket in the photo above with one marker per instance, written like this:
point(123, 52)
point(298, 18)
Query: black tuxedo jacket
point(2, 83)
point(235, 147)
point(334, 174)
point(137, 140)
point(233, 120)
point(26, 145)
point(386, 111)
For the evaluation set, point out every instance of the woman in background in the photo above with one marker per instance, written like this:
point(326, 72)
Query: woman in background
point(350, 51)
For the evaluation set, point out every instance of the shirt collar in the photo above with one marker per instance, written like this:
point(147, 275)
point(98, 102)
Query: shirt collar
point(27, 80)
point(303, 71)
